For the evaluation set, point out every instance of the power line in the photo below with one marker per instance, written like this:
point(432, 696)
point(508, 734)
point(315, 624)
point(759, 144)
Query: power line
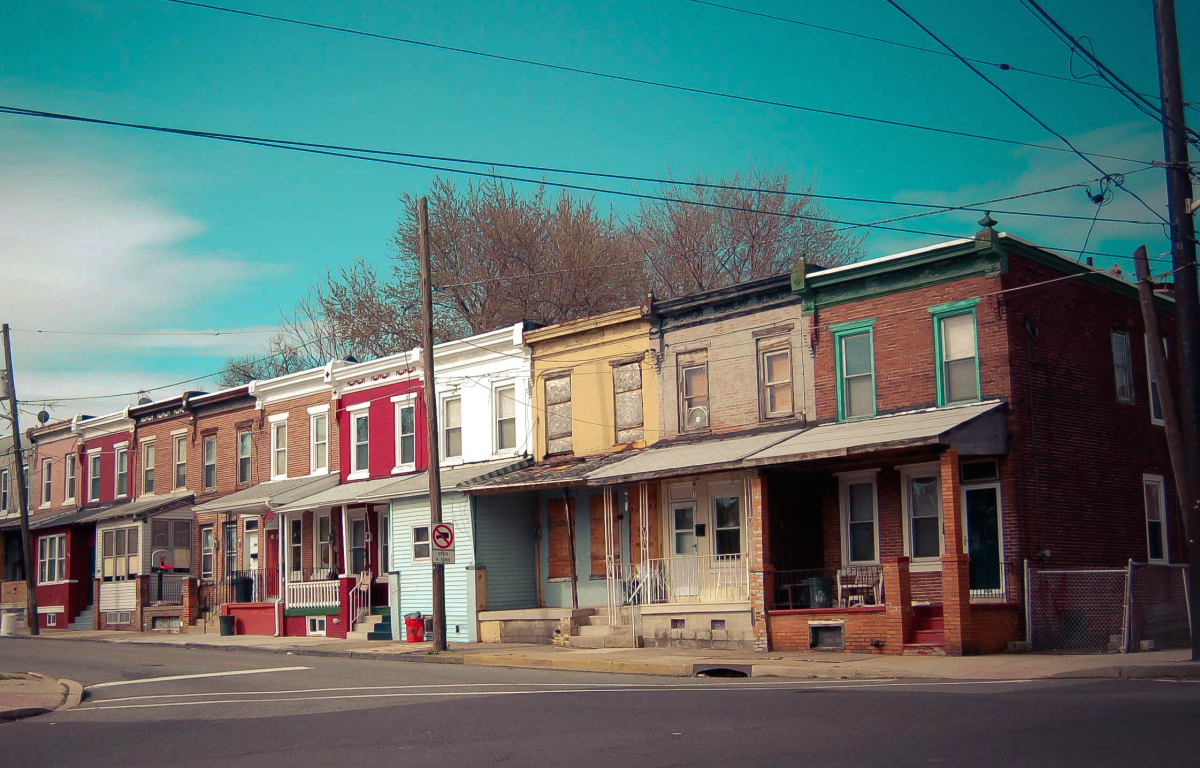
point(626, 78)
point(1022, 107)
point(145, 333)
point(308, 149)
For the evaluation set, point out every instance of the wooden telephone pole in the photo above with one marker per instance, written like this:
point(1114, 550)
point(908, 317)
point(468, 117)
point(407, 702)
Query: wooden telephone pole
point(31, 608)
point(431, 420)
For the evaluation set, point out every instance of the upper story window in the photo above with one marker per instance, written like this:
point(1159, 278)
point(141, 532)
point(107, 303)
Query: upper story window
point(854, 360)
point(860, 518)
point(3, 490)
point(279, 447)
point(1156, 517)
point(452, 427)
point(1156, 410)
point(693, 392)
point(318, 431)
point(360, 448)
point(47, 466)
point(119, 554)
point(558, 413)
point(1122, 366)
point(506, 417)
point(775, 394)
point(94, 475)
point(148, 467)
point(956, 352)
point(179, 480)
point(52, 558)
point(122, 480)
point(70, 478)
point(210, 463)
point(406, 431)
point(627, 401)
point(245, 447)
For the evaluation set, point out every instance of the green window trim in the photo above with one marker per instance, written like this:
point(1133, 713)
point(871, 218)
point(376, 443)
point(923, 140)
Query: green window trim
point(840, 332)
point(940, 313)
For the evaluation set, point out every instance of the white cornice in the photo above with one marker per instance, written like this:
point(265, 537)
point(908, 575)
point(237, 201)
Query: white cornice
point(109, 424)
point(293, 385)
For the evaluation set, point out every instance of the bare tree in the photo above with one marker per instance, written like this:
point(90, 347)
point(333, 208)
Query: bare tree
point(717, 235)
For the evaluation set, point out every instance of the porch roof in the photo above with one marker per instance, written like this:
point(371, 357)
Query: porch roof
point(269, 495)
point(544, 475)
point(142, 508)
point(975, 429)
point(711, 454)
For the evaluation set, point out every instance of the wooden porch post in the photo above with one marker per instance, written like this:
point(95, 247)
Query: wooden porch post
point(956, 570)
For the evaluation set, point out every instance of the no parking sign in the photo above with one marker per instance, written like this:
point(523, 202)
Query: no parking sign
point(442, 538)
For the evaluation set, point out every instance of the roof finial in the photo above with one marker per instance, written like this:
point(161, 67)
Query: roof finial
point(989, 227)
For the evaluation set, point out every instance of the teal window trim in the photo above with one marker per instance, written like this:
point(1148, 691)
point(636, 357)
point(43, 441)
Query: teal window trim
point(940, 313)
point(841, 331)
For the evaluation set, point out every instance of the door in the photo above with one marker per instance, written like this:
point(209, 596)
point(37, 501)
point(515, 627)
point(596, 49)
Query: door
point(981, 507)
point(682, 572)
point(272, 575)
point(358, 544)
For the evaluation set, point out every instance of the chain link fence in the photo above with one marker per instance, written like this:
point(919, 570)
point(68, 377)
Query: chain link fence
point(1107, 610)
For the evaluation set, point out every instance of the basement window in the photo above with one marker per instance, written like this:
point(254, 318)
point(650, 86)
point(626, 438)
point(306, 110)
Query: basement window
point(316, 626)
point(827, 637)
point(51, 619)
point(113, 618)
point(717, 624)
point(166, 622)
point(677, 623)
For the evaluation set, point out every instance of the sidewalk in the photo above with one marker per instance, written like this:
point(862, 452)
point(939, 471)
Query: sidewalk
point(27, 695)
point(660, 661)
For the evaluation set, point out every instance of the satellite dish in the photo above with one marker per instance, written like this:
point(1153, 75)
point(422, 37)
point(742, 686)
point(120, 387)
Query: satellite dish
point(697, 418)
point(144, 398)
point(43, 416)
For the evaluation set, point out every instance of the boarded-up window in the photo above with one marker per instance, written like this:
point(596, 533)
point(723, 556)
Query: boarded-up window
point(644, 525)
point(627, 394)
point(560, 537)
point(558, 414)
point(599, 540)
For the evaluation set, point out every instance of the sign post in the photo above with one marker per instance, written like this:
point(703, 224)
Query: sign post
point(442, 538)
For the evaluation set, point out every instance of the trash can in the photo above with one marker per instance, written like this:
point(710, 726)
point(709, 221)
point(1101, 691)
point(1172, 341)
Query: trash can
point(227, 626)
point(820, 592)
point(8, 624)
point(243, 589)
point(414, 627)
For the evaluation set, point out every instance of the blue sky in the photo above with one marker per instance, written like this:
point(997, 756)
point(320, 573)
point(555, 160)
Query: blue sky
point(110, 229)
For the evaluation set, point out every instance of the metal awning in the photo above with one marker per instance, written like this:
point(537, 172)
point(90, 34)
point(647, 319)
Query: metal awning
point(707, 455)
point(269, 495)
point(555, 474)
point(144, 507)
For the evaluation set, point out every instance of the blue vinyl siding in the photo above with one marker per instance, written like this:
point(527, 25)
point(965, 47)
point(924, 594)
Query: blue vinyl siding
point(504, 545)
point(416, 579)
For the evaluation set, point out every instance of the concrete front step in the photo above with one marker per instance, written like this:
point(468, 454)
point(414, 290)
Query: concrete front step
point(928, 636)
point(924, 649)
point(84, 621)
point(601, 630)
point(603, 641)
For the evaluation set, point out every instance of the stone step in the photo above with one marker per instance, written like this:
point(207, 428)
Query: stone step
point(924, 649)
point(601, 630)
point(929, 637)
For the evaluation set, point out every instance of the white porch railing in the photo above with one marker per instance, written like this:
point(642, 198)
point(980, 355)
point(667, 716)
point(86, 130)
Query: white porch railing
point(693, 579)
point(313, 594)
point(360, 599)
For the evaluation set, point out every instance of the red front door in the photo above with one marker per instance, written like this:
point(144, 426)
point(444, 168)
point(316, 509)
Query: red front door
point(272, 574)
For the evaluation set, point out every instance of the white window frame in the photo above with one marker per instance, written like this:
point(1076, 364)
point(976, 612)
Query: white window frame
point(444, 428)
point(94, 463)
point(516, 419)
point(412, 540)
point(178, 451)
point(315, 626)
point(70, 476)
point(399, 403)
point(356, 412)
point(907, 473)
point(276, 421)
point(238, 457)
point(131, 567)
point(52, 560)
point(323, 547)
point(385, 543)
point(1151, 382)
point(726, 489)
point(768, 348)
point(685, 400)
point(204, 441)
point(4, 490)
point(845, 480)
point(148, 464)
point(1159, 481)
point(1123, 364)
point(314, 413)
point(121, 449)
point(47, 482)
point(295, 548)
point(211, 552)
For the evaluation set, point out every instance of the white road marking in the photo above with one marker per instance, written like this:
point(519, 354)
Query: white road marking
point(194, 677)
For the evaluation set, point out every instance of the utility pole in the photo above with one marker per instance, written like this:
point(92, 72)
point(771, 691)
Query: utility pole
point(31, 611)
point(435, 474)
point(1183, 262)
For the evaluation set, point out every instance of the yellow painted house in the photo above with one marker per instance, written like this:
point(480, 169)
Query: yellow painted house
point(595, 389)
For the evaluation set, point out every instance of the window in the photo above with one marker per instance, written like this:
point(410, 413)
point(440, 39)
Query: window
point(922, 512)
point(3, 491)
point(319, 435)
point(94, 476)
point(558, 414)
point(683, 517)
point(360, 454)
point(1122, 366)
point(860, 537)
point(113, 618)
point(229, 547)
point(1156, 411)
point(279, 466)
point(954, 342)
point(452, 427)
point(420, 543)
point(52, 620)
point(728, 516)
point(119, 554)
point(122, 486)
point(148, 467)
point(296, 543)
point(1156, 517)
point(324, 553)
point(173, 538)
point(47, 465)
point(693, 389)
point(52, 559)
point(210, 463)
point(180, 455)
point(316, 626)
point(506, 418)
point(559, 532)
point(207, 546)
point(854, 359)
point(406, 433)
point(69, 461)
point(627, 401)
point(385, 537)
point(774, 379)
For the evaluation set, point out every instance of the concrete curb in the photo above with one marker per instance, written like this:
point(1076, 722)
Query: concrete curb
point(11, 715)
point(72, 696)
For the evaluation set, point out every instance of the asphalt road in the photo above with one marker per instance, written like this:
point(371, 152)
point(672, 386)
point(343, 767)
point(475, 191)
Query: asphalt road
point(226, 708)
